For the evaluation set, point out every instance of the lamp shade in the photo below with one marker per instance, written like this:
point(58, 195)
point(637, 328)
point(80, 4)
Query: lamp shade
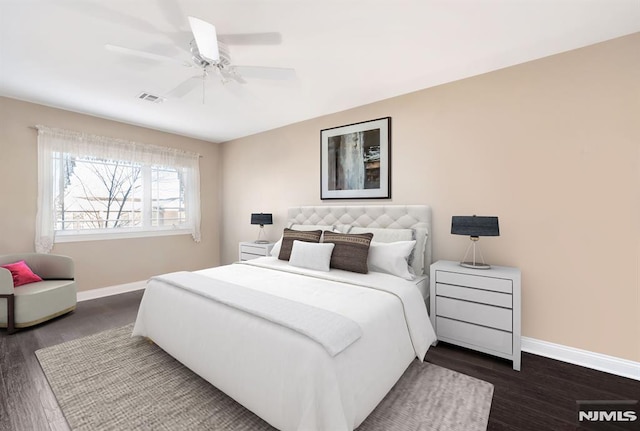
point(475, 226)
point(261, 218)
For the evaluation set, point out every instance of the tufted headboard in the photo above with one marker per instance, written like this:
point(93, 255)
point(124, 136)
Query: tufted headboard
point(417, 217)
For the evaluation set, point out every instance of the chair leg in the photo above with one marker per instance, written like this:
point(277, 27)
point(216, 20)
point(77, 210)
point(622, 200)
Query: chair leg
point(10, 313)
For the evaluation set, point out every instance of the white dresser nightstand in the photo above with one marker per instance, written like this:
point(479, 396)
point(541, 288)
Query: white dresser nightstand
point(477, 308)
point(252, 250)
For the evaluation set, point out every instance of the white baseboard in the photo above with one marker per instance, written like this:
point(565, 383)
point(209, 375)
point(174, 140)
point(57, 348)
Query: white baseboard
point(584, 358)
point(87, 295)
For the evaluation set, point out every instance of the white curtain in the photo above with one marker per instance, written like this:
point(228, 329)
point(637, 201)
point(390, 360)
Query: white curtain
point(53, 140)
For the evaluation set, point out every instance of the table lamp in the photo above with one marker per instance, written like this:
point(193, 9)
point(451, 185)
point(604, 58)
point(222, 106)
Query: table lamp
point(261, 219)
point(475, 227)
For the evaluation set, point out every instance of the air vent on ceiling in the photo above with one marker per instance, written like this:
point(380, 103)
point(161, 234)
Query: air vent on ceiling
point(150, 97)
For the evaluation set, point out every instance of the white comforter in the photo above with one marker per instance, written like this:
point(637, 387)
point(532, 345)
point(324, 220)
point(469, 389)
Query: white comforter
point(284, 377)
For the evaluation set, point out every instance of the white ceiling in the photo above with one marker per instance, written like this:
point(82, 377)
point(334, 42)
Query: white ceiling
point(346, 53)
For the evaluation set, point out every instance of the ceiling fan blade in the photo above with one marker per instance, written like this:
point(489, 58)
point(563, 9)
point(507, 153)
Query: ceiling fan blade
point(145, 54)
point(272, 38)
point(172, 13)
point(112, 13)
point(259, 72)
point(185, 87)
point(231, 74)
point(206, 39)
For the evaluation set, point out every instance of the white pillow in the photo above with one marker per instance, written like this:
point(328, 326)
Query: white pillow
point(275, 251)
point(386, 235)
point(416, 260)
point(311, 255)
point(342, 228)
point(391, 258)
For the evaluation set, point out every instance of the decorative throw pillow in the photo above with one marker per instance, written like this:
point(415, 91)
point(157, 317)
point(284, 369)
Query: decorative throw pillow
point(351, 250)
point(310, 255)
point(21, 273)
point(289, 235)
point(312, 227)
point(391, 258)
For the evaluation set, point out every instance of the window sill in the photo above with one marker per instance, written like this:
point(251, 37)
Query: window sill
point(79, 237)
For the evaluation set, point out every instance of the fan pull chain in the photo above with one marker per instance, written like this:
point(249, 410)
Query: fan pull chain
point(204, 88)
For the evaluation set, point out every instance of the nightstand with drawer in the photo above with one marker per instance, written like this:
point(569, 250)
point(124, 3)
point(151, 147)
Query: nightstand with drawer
point(477, 308)
point(252, 250)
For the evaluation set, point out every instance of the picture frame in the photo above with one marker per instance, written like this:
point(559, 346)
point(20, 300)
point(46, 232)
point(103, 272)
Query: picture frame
point(355, 161)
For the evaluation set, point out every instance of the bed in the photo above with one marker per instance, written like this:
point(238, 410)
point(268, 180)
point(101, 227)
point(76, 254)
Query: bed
point(290, 377)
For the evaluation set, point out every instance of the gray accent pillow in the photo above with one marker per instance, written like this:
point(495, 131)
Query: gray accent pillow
point(350, 252)
point(289, 235)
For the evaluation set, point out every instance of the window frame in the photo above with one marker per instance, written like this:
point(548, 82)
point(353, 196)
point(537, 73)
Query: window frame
point(53, 144)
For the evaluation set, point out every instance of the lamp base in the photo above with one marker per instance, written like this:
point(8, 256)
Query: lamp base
point(260, 236)
point(475, 265)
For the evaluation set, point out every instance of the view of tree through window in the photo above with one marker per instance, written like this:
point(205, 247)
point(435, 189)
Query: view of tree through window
point(98, 194)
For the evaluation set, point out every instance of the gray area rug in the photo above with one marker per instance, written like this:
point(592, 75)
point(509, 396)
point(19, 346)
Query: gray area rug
point(110, 381)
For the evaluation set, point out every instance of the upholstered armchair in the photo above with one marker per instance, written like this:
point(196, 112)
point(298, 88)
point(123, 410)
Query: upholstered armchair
point(36, 302)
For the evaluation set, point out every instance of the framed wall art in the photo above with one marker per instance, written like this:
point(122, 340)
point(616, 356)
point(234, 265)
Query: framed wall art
point(355, 161)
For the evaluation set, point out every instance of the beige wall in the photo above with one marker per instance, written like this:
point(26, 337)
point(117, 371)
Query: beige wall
point(552, 147)
point(99, 263)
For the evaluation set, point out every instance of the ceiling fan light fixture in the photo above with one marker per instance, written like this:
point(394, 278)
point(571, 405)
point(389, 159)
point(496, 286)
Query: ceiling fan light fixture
point(198, 59)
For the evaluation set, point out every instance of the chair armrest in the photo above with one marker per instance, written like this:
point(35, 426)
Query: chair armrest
point(51, 266)
point(6, 282)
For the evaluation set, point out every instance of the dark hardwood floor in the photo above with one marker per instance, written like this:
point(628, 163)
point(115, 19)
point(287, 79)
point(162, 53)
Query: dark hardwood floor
point(540, 397)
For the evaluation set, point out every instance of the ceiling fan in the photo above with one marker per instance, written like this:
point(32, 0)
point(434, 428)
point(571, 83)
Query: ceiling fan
point(210, 55)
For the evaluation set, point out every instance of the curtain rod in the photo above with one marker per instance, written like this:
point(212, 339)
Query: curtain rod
point(35, 128)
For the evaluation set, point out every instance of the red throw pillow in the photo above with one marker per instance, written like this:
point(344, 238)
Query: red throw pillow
point(21, 273)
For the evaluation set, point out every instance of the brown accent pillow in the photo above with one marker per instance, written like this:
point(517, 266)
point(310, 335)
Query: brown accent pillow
point(350, 252)
point(289, 235)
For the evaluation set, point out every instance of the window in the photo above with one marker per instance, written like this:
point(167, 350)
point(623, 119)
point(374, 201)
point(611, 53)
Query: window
point(92, 187)
point(99, 195)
